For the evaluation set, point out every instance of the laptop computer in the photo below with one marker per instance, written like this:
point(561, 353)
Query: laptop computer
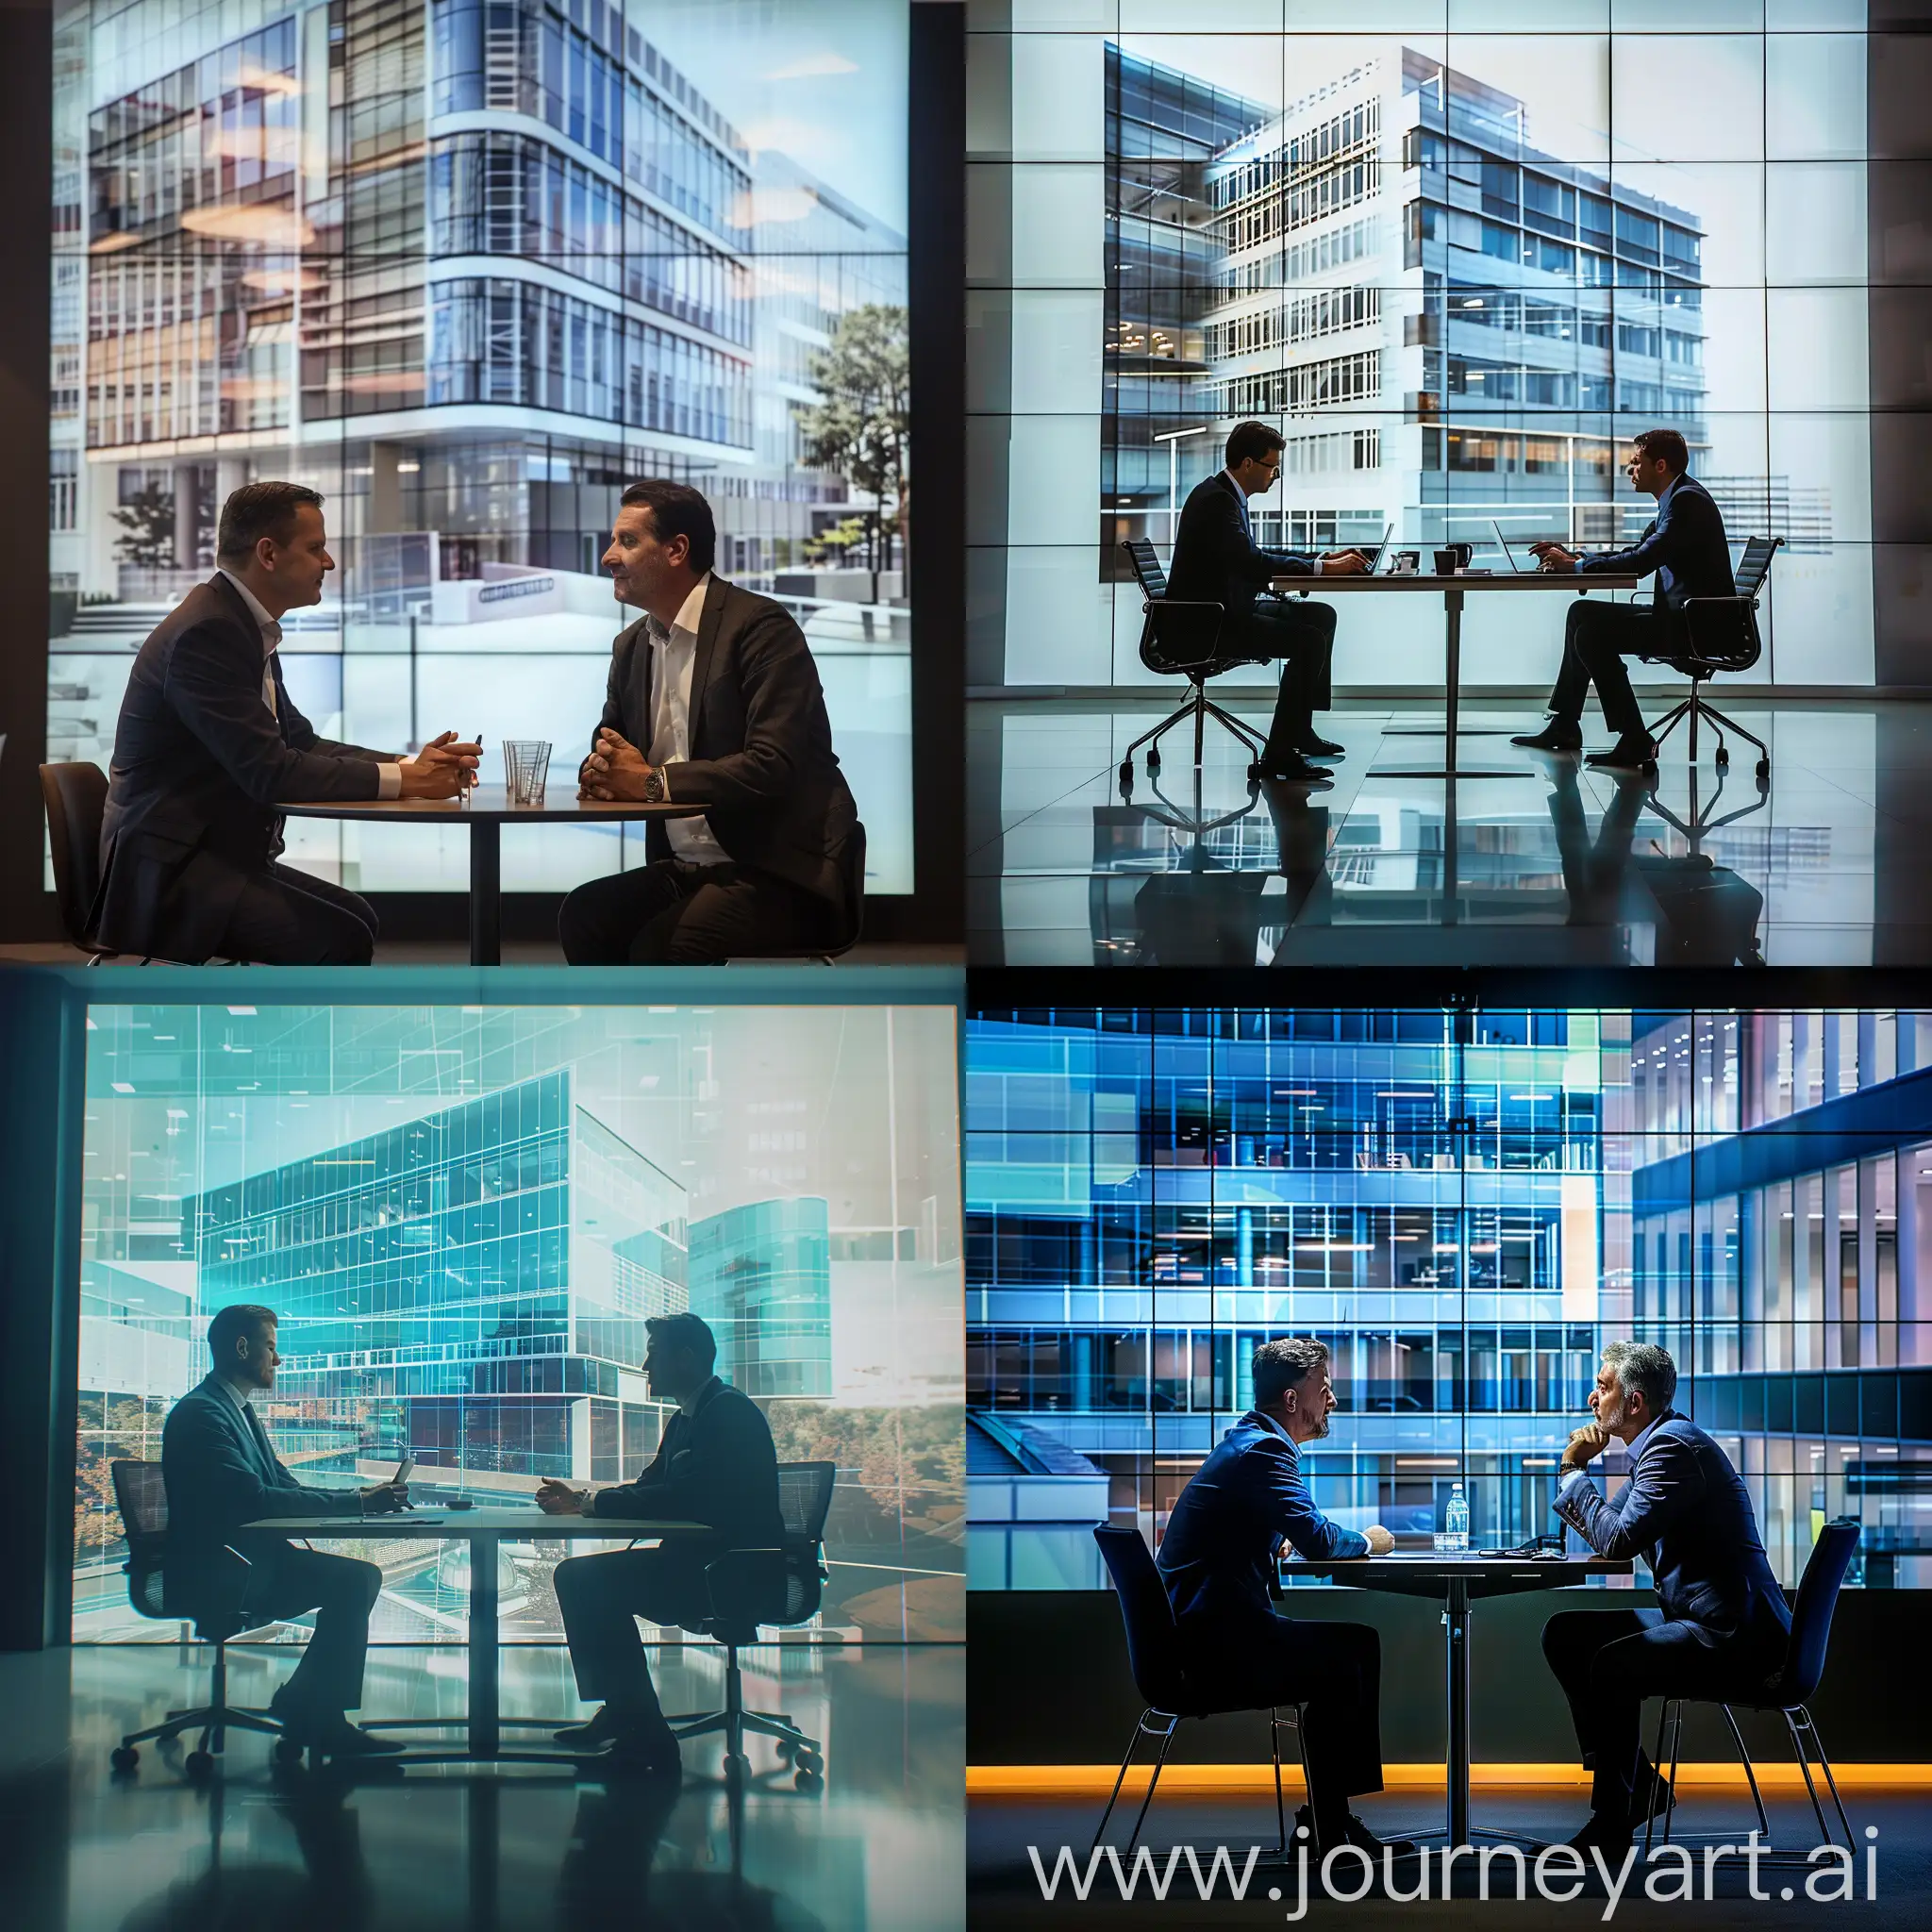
point(1509, 553)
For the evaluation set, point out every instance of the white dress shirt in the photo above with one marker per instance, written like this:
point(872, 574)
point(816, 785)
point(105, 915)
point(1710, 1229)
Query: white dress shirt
point(390, 776)
point(674, 652)
point(1240, 496)
point(1636, 1449)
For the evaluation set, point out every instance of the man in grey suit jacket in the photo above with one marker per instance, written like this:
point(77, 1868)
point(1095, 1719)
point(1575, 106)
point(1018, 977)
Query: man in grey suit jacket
point(209, 741)
point(714, 699)
point(1722, 1621)
point(220, 1473)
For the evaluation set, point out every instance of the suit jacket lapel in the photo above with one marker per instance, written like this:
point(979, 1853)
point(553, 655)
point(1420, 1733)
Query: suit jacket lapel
point(700, 661)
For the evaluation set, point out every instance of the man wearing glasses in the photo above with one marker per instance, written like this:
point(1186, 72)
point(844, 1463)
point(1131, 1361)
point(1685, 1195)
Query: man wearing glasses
point(1216, 560)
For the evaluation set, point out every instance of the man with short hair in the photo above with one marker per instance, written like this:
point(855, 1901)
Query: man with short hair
point(715, 1465)
point(1224, 1534)
point(1216, 560)
point(713, 700)
point(1683, 544)
point(210, 742)
point(1723, 1624)
point(220, 1473)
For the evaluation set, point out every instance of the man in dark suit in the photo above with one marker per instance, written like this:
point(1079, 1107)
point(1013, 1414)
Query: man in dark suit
point(1216, 560)
point(1223, 1536)
point(1684, 546)
point(210, 742)
point(220, 1473)
point(714, 699)
point(1722, 1621)
point(715, 1465)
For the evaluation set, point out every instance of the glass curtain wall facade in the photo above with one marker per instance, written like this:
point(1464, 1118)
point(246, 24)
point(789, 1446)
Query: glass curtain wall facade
point(469, 266)
point(1465, 1207)
point(1457, 268)
point(465, 1217)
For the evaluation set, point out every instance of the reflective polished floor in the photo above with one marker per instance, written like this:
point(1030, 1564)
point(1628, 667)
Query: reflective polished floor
point(85, 1850)
point(1539, 862)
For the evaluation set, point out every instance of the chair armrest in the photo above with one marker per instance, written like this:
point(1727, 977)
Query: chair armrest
point(1183, 603)
point(1718, 603)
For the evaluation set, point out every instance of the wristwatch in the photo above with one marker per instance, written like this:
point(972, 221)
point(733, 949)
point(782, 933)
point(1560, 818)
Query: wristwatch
point(655, 793)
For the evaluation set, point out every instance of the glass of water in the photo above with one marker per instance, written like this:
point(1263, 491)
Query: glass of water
point(525, 765)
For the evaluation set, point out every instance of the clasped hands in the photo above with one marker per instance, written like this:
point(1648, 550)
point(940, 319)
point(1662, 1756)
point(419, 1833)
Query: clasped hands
point(444, 768)
point(557, 1498)
point(615, 770)
point(1584, 1446)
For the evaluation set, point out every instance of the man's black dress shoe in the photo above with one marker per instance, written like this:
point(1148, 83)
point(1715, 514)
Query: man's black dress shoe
point(1289, 768)
point(1313, 747)
point(1555, 736)
point(1634, 752)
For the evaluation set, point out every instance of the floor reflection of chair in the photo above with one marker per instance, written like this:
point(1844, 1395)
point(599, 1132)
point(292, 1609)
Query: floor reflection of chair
point(1708, 912)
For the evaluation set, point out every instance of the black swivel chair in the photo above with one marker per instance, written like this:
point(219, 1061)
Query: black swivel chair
point(75, 797)
point(142, 1496)
point(1154, 1652)
point(773, 1587)
point(1789, 1691)
point(1182, 640)
point(852, 906)
point(1721, 637)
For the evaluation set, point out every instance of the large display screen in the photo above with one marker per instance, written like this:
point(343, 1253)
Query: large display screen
point(1457, 255)
point(464, 1217)
point(1465, 1207)
point(469, 266)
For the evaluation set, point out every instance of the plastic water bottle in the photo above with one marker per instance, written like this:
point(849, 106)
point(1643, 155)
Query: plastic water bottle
point(1456, 1520)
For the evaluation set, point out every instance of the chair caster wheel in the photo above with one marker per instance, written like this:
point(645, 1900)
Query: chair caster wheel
point(786, 1749)
point(1723, 756)
point(1127, 777)
point(808, 1780)
point(124, 1757)
point(287, 1751)
point(1764, 768)
point(811, 1761)
point(737, 1770)
point(200, 1766)
point(1152, 762)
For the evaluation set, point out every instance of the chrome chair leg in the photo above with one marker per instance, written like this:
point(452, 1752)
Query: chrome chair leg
point(1159, 1764)
point(1656, 1758)
point(1810, 1730)
point(1810, 1786)
point(1140, 1728)
point(1750, 1772)
point(1730, 723)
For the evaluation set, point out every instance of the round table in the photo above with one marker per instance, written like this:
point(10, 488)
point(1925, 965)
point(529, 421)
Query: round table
point(484, 811)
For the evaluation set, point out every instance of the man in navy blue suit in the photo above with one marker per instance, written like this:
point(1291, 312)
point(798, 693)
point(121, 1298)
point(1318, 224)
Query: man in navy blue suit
point(220, 1473)
point(1722, 1622)
point(1686, 547)
point(1216, 560)
point(1223, 1536)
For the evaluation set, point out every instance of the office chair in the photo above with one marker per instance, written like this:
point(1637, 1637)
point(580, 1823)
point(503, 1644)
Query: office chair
point(1786, 1692)
point(75, 797)
point(141, 1494)
point(1181, 640)
point(780, 1587)
point(852, 900)
point(1721, 635)
point(1154, 1654)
